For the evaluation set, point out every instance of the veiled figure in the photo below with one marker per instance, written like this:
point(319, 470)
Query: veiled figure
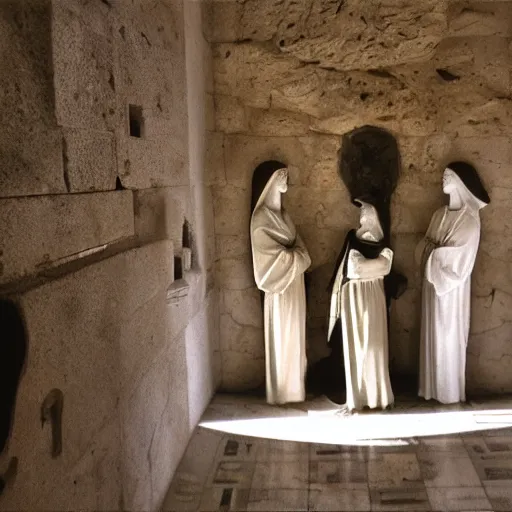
point(447, 256)
point(359, 299)
point(280, 259)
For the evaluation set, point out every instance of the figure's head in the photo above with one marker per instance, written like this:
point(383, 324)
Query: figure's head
point(281, 181)
point(367, 212)
point(261, 177)
point(462, 178)
point(450, 181)
point(369, 218)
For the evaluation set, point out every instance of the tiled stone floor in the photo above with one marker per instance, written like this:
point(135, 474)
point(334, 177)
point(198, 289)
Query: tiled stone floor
point(246, 455)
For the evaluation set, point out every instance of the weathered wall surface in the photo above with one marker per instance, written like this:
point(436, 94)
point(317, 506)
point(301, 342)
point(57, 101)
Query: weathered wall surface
point(290, 79)
point(103, 191)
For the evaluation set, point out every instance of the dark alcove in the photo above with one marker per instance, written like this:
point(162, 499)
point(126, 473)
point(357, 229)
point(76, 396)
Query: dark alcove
point(186, 239)
point(136, 121)
point(370, 167)
point(13, 350)
point(178, 269)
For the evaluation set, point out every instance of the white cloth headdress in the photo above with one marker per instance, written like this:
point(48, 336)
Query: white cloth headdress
point(268, 187)
point(468, 199)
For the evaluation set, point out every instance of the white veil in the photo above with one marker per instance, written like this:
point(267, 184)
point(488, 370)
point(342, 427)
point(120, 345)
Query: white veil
point(268, 186)
point(467, 197)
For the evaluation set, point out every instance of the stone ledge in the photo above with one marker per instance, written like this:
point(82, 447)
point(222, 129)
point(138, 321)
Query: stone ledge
point(177, 291)
point(37, 233)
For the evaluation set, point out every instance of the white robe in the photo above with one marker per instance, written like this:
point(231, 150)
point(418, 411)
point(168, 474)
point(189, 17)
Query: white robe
point(361, 304)
point(448, 256)
point(280, 259)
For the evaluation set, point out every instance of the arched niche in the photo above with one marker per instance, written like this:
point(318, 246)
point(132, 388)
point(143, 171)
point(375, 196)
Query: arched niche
point(13, 349)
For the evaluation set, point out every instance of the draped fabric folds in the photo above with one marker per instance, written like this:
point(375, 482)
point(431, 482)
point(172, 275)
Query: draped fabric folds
point(359, 299)
point(280, 259)
point(448, 254)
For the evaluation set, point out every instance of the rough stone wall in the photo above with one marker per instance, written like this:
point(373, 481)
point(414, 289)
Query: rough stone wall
point(291, 77)
point(94, 197)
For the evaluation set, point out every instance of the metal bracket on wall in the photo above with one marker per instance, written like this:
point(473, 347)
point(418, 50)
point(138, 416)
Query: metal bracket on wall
point(51, 410)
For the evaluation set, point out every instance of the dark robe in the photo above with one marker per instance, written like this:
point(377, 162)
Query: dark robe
point(327, 376)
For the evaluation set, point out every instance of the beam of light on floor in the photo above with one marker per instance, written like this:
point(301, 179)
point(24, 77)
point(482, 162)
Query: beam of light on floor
point(378, 429)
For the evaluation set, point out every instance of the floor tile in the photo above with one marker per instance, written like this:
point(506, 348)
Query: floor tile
point(232, 474)
point(193, 471)
point(334, 498)
point(458, 499)
point(341, 471)
point(498, 432)
point(401, 499)
point(238, 448)
point(333, 451)
point(444, 470)
point(451, 444)
point(281, 475)
point(278, 499)
point(404, 445)
point(184, 493)
point(393, 470)
point(227, 472)
point(500, 497)
point(494, 471)
point(217, 499)
point(270, 449)
point(475, 445)
point(487, 448)
point(503, 444)
point(199, 457)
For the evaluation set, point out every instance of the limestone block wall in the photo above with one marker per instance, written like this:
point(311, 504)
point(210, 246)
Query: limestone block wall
point(290, 79)
point(106, 245)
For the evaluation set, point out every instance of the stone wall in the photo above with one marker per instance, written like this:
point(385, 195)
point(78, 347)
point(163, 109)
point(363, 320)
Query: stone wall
point(103, 196)
point(291, 77)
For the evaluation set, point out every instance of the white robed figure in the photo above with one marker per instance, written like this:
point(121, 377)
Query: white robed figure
point(280, 259)
point(359, 299)
point(447, 256)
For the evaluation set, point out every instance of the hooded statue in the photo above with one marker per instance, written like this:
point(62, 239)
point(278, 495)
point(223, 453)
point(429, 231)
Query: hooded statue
point(280, 259)
point(447, 256)
point(358, 300)
point(370, 169)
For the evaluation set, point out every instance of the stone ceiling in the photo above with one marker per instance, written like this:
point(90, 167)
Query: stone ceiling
point(344, 62)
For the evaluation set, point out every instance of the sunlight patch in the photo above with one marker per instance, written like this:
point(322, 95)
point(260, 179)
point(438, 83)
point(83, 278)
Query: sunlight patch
point(364, 429)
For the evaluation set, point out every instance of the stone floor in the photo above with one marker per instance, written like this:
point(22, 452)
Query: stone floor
point(246, 455)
